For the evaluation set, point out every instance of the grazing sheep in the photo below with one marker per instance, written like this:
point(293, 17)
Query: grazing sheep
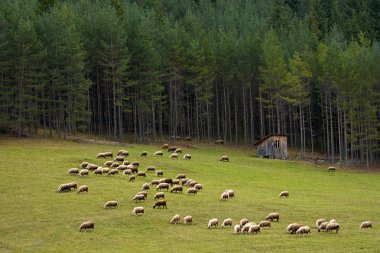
point(184, 181)
point(292, 228)
point(172, 148)
point(180, 176)
point(175, 219)
point(98, 171)
point(219, 141)
point(100, 155)
point(83, 189)
point(303, 230)
point(254, 229)
point(213, 222)
point(64, 188)
point(122, 167)
point(365, 224)
point(245, 228)
point(144, 154)
point(119, 159)
point(150, 169)
point(159, 173)
point(111, 203)
point(84, 164)
point(187, 156)
point(87, 225)
point(322, 226)
point(105, 170)
point(126, 162)
point(273, 216)
point(127, 172)
point(73, 171)
point(243, 222)
point(331, 169)
point(332, 226)
point(224, 158)
point(136, 163)
point(192, 191)
point(165, 145)
point(227, 222)
point(158, 153)
point(178, 150)
point(108, 154)
point(198, 187)
point(145, 187)
point(83, 172)
point(139, 197)
point(319, 222)
point(138, 210)
point(187, 220)
point(237, 229)
point(166, 180)
point(176, 181)
point(230, 193)
point(143, 193)
point(131, 178)
point(112, 172)
point(264, 224)
point(141, 174)
point(162, 186)
point(284, 194)
point(192, 183)
point(177, 188)
point(159, 195)
point(133, 168)
point(72, 185)
point(115, 165)
point(154, 182)
point(160, 203)
point(224, 196)
point(123, 153)
point(174, 155)
point(332, 221)
point(91, 166)
point(108, 163)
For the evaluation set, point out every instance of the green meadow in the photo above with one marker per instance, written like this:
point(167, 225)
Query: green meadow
point(35, 218)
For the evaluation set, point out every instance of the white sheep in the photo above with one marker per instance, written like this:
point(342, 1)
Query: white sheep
point(73, 171)
point(127, 172)
point(237, 229)
point(284, 194)
point(112, 172)
point(254, 229)
point(187, 156)
point(213, 222)
point(83, 172)
point(145, 187)
point(87, 225)
point(139, 197)
point(187, 220)
point(333, 221)
point(230, 193)
point(322, 226)
point(162, 186)
point(227, 222)
point(82, 189)
point(174, 156)
point(365, 224)
point(332, 226)
point(192, 191)
point(158, 153)
point(111, 203)
point(273, 216)
point(319, 222)
point(198, 187)
point(265, 224)
point(159, 195)
point(243, 222)
point(224, 196)
point(180, 176)
point(84, 164)
point(175, 219)
point(303, 230)
point(159, 173)
point(138, 210)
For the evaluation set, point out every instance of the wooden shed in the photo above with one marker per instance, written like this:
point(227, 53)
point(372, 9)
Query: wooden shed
point(273, 146)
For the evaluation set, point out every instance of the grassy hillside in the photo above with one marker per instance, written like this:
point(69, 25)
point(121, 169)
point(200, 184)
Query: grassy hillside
point(35, 218)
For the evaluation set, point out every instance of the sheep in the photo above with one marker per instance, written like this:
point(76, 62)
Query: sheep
point(175, 219)
point(91, 166)
point(136, 163)
point(123, 153)
point(192, 183)
point(150, 169)
point(138, 210)
point(73, 171)
point(108, 154)
point(165, 145)
point(83, 189)
point(127, 172)
point(119, 159)
point(303, 230)
point(192, 191)
point(141, 174)
point(122, 167)
point(159, 195)
point(198, 187)
point(84, 164)
point(224, 158)
point(98, 171)
point(144, 154)
point(264, 224)
point(105, 170)
point(108, 163)
point(83, 172)
point(158, 153)
point(178, 150)
point(254, 229)
point(73, 185)
point(133, 168)
point(131, 178)
point(112, 172)
point(331, 169)
point(188, 181)
point(172, 148)
point(292, 228)
point(180, 176)
point(154, 182)
point(111, 203)
point(177, 188)
point(332, 221)
point(187, 220)
point(159, 173)
point(322, 226)
point(166, 180)
point(245, 228)
point(219, 141)
point(230, 193)
point(160, 203)
point(145, 187)
point(332, 226)
point(187, 157)
point(213, 222)
point(176, 181)
point(162, 186)
point(319, 222)
point(243, 222)
point(64, 188)
point(365, 224)
point(273, 216)
point(237, 229)
point(227, 222)
point(87, 225)
point(100, 155)
point(184, 181)
point(126, 162)
point(224, 196)
point(139, 197)
point(284, 194)
point(174, 155)
point(143, 193)
point(115, 165)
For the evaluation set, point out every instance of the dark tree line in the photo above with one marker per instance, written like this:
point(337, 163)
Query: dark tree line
point(231, 70)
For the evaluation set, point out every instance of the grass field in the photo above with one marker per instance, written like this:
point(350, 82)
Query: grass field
point(35, 218)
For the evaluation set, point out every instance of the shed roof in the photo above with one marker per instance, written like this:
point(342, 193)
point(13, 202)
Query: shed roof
point(266, 137)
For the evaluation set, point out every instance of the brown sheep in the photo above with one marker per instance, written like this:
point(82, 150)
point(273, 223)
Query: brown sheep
point(112, 172)
point(87, 225)
point(109, 204)
point(273, 216)
point(123, 153)
point(224, 158)
point(136, 164)
point(83, 189)
point(119, 159)
point(365, 224)
point(160, 203)
point(144, 154)
point(180, 176)
point(166, 180)
point(177, 188)
point(172, 148)
point(159, 173)
point(73, 171)
point(150, 169)
point(141, 174)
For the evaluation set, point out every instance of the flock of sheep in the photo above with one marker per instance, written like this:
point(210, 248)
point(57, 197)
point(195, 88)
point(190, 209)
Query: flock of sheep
point(120, 164)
